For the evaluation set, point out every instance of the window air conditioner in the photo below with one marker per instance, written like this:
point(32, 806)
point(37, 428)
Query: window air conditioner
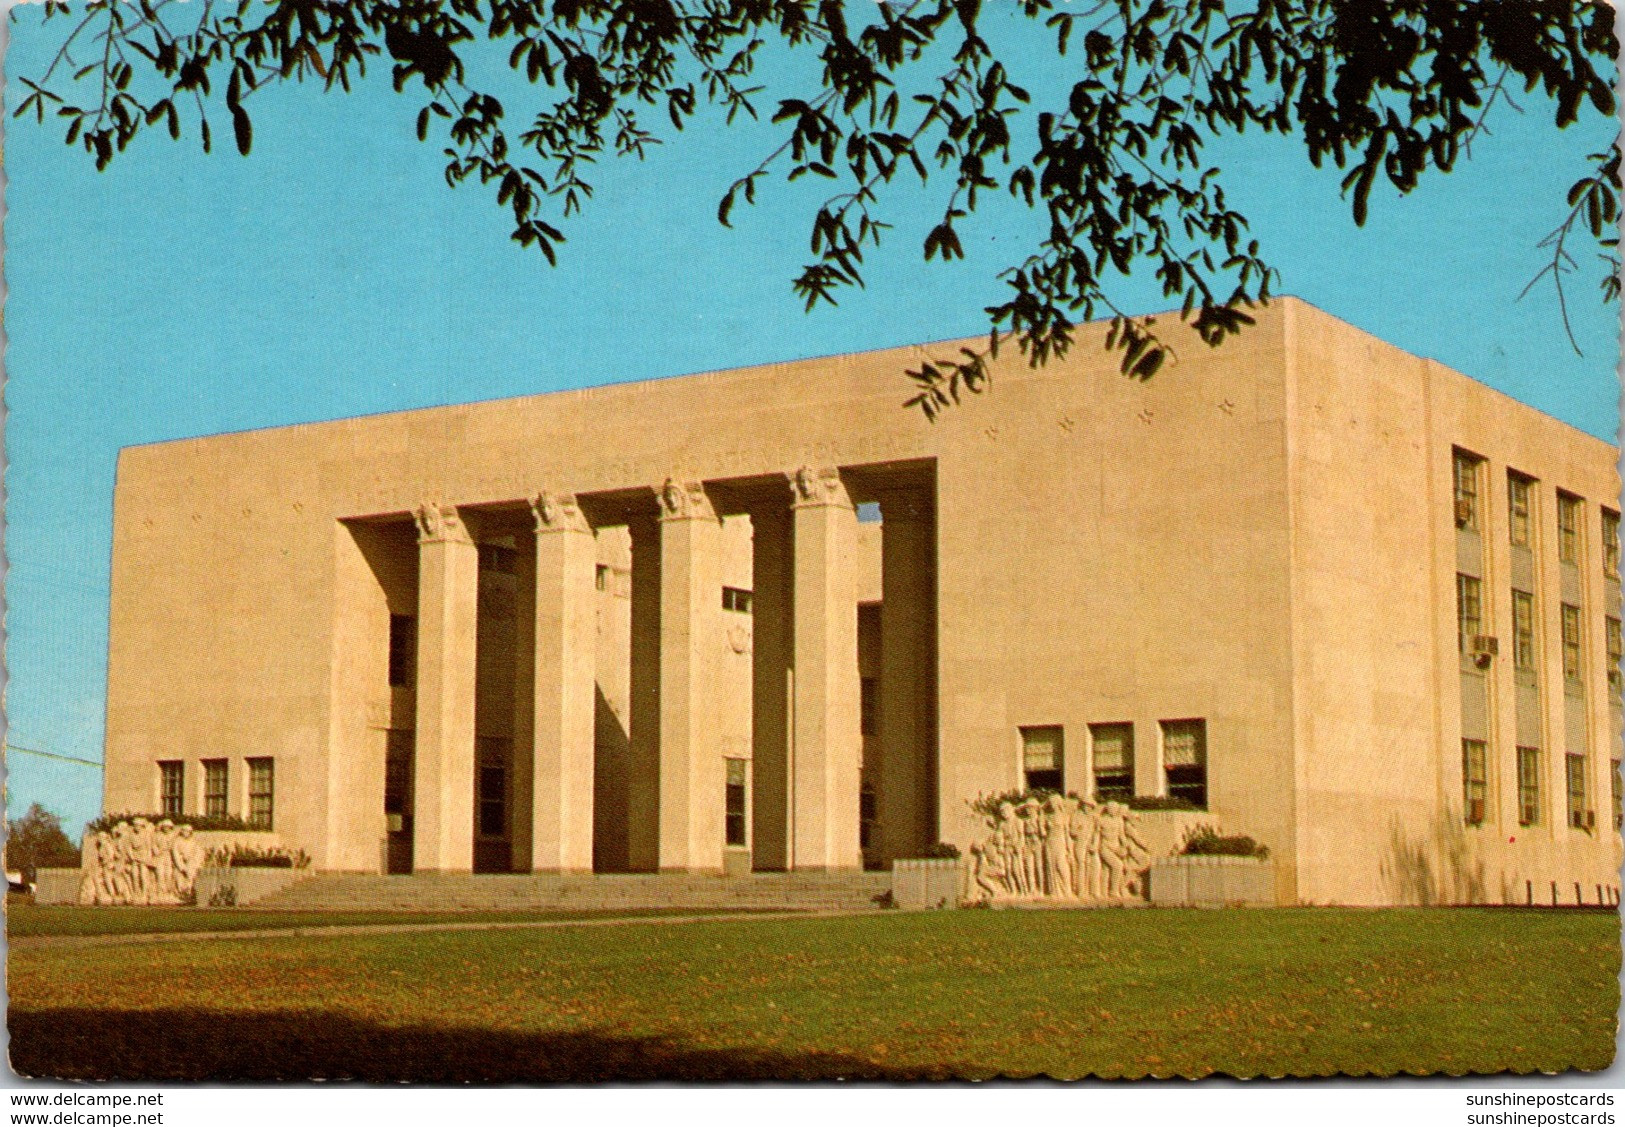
point(1464, 513)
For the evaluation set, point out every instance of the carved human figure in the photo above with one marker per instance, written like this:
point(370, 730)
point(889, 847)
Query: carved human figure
point(188, 859)
point(1120, 848)
point(90, 868)
point(987, 869)
point(163, 857)
point(143, 847)
point(1056, 846)
point(1083, 831)
point(1032, 861)
point(120, 890)
point(1008, 832)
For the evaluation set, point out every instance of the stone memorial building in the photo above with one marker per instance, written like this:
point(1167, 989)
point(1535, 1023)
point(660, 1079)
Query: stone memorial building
point(1347, 600)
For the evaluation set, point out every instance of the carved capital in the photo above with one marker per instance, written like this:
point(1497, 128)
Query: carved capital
point(822, 486)
point(439, 523)
point(685, 500)
point(558, 512)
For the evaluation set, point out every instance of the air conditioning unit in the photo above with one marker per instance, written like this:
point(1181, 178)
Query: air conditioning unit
point(1475, 812)
point(1464, 513)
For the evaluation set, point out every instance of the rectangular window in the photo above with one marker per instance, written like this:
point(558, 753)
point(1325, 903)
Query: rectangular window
point(500, 559)
point(1571, 643)
point(1113, 747)
point(1523, 631)
point(1529, 786)
point(171, 787)
point(262, 793)
point(1465, 468)
point(1576, 775)
point(216, 776)
point(869, 705)
point(1568, 528)
point(1474, 781)
point(493, 801)
point(1615, 652)
point(1619, 795)
point(736, 599)
point(1469, 611)
point(1184, 760)
point(403, 651)
point(1610, 543)
point(868, 813)
point(734, 803)
point(1520, 500)
point(600, 577)
point(1041, 757)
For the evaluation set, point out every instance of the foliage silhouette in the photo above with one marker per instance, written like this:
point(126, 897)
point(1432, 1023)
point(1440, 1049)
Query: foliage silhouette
point(1389, 88)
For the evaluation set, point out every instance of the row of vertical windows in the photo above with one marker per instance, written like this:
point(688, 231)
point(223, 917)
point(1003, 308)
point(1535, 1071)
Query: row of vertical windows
point(216, 785)
point(1466, 471)
point(1184, 759)
point(1475, 786)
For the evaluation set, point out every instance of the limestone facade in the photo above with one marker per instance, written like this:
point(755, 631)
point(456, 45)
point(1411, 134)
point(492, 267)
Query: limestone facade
point(1351, 603)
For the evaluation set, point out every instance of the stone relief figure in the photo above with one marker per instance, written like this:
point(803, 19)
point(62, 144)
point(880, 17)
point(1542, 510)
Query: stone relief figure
point(1061, 848)
point(136, 862)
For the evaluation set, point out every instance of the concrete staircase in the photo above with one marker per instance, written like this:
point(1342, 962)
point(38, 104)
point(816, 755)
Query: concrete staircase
point(518, 892)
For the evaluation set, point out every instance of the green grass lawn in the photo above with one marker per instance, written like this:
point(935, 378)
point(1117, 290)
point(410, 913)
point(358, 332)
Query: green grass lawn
point(30, 920)
point(882, 996)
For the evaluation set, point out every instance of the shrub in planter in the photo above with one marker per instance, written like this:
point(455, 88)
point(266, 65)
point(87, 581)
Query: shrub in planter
point(201, 822)
point(1158, 802)
point(249, 857)
point(1206, 843)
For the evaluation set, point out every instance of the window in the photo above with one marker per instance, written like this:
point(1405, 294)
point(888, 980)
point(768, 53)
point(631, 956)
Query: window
point(1465, 468)
point(1610, 543)
point(869, 705)
point(600, 577)
point(1568, 528)
point(1474, 781)
point(1571, 642)
point(1041, 757)
point(1184, 760)
point(1523, 631)
point(868, 813)
point(261, 793)
point(1113, 746)
point(1576, 773)
point(1520, 499)
point(1619, 796)
point(1529, 786)
point(171, 787)
point(736, 599)
point(216, 774)
point(493, 801)
point(500, 559)
point(734, 803)
point(1469, 611)
point(1615, 652)
point(403, 651)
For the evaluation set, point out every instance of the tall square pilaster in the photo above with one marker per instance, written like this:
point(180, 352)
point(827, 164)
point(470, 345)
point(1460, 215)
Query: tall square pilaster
point(448, 618)
point(691, 768)
point(566, 642)
point(827, 741)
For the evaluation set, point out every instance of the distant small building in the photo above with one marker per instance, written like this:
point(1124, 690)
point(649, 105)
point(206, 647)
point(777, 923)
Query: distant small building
point(1352, 603)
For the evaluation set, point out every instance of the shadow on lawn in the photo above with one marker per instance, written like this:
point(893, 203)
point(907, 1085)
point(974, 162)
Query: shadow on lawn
point(191, 1044)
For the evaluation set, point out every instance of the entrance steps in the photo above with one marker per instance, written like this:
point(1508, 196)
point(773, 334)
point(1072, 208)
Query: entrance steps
point(522, 892)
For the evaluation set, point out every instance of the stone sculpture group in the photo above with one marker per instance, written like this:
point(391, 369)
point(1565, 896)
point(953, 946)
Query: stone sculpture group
point(1059, 847)
point(138, 862)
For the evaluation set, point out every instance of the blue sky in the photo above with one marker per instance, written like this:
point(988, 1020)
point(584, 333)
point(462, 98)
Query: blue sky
point(334, 273)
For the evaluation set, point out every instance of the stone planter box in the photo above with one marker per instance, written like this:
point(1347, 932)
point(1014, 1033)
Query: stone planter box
point(1213, 882)
point(929, 882)
point(56, 886)
point(246, 839)
point(234, 887)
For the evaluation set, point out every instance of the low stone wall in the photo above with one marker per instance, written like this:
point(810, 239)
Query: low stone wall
point(1213, 882)
point(56, 886)
point(934, 882)
point(219, 887)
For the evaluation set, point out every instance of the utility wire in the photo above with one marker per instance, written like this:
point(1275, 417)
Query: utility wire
point(53, 755)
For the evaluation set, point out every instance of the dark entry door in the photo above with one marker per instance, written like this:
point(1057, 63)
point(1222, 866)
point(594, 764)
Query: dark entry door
point(398, 756)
